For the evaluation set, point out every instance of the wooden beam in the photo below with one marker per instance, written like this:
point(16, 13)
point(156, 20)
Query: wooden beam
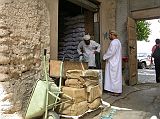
point(52, 6)
point(85, 4)
point(146, 14)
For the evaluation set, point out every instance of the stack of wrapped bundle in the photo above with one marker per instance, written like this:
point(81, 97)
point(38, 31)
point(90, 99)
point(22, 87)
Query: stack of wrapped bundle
point(83, 87)
point(94, 93)
point(73, 33)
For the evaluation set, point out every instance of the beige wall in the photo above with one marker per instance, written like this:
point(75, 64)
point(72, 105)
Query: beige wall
point(107, 22)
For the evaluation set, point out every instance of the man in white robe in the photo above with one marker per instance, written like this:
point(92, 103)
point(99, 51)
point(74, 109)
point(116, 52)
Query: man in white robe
point(113, 69)
point(87, 50)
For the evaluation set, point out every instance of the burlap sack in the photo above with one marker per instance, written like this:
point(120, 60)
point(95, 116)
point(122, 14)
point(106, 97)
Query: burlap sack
point(72, 109)
point(74, 74)
point(75, 83)
point(90, 82)
point(92, 75)
point(91, 78)
point(78, 94)
point(95, 104)
point(93, 92)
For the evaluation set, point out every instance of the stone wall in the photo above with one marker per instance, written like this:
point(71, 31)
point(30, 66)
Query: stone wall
point(24, 33)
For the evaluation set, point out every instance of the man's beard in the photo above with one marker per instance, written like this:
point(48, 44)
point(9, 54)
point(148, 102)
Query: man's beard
point(110, 38)
point(87, 42)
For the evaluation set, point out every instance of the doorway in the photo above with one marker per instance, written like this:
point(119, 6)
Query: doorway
point(74, 22)
point(146, 68)
point(140, 14)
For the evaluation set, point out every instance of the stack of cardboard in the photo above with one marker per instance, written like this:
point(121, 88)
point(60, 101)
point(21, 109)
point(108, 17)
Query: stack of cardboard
point(83, 87)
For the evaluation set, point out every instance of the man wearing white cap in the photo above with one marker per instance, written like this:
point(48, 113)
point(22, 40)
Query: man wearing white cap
point(113, 70)
point(87, 50)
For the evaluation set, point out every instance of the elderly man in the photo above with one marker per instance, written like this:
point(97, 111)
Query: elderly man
point(87, 50)
point(113, 70)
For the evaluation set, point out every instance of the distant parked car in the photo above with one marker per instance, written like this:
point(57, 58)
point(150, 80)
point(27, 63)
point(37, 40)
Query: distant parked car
point(144, 60)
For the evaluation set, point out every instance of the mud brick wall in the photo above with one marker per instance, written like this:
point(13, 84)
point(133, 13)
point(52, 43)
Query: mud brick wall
point(24, 33)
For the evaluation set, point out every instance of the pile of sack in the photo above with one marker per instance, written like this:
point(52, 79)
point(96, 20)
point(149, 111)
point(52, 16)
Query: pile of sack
point(71, 33)
point(82, 86)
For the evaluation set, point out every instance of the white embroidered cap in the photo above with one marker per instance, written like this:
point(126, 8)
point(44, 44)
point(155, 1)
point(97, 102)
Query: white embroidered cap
point(113, 32)
point(86, 37)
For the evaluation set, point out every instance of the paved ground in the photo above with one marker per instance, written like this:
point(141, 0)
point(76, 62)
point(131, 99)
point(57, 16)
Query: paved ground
point(146, 76)
point(141, 101)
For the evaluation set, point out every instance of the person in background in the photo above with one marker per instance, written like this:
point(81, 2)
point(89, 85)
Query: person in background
point(156, 60)
point(87, 49)
point(113, 68)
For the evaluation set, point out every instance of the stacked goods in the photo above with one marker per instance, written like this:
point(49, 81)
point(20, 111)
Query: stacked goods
point(83, 88)
point(67, 65)
point(71, 34)
point(74, 79)
point(93, 89)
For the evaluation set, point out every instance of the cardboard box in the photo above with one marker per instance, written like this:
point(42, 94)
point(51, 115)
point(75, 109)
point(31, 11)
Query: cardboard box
point(75, 83)
point(78, 94)
point(95, 104)
point(74, 74)
point(72, 109)
point(54, 67)
point(93, 92)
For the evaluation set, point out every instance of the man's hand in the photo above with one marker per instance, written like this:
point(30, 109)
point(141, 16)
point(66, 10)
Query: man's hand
point(151, 61)
point(80, 57)
point(82, 50)
point(95, 52)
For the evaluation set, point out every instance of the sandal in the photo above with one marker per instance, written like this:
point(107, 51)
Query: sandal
point(116, 94)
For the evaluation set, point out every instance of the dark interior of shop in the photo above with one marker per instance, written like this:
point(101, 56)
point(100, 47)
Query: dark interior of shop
point(71, 30)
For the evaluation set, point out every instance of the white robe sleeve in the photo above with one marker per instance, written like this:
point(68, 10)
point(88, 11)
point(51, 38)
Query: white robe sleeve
point(79, 48)
point(110, 52)
point(97, 45)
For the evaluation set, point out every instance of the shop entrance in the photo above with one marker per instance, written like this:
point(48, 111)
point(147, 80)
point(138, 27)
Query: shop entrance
point(74, 21)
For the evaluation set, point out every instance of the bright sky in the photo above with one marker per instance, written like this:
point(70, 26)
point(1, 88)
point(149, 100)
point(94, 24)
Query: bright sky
point(145, 47)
